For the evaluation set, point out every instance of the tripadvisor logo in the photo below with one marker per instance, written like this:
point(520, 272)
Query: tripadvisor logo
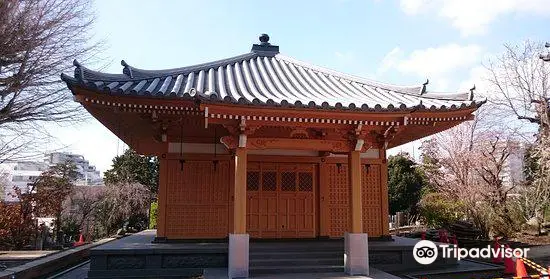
point(425, 252)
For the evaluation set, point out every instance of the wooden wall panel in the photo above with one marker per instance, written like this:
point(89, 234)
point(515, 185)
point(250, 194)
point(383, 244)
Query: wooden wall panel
point(372, 218)
point(198, 199)
point(338, 196)
point(338, 220)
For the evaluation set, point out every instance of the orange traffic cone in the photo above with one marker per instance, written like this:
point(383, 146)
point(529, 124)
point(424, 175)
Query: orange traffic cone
point(80, 241)
point(498, 258)
point(520, 269)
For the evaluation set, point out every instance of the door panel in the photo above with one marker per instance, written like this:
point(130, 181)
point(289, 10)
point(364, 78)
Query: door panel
point(282, 200)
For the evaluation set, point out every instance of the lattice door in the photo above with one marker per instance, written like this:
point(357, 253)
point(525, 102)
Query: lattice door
point(197, 200)
point(372, 200)
point(262, 211)
point(338, 193)
point(281, 200)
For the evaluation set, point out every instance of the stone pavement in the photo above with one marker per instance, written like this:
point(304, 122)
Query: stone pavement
point(77, 273)
point(221, 273)
point(540, 254)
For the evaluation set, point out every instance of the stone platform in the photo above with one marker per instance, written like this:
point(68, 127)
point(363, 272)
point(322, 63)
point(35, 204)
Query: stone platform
point(136, 256)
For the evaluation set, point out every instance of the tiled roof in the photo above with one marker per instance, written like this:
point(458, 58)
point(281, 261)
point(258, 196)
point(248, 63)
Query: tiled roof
point(266, 77)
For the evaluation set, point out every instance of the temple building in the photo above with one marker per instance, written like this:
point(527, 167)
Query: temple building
point(262, 145)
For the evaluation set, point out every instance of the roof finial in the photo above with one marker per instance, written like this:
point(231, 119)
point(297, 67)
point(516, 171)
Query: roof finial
point(265, 47)
point(264, 38)
point(471, 95)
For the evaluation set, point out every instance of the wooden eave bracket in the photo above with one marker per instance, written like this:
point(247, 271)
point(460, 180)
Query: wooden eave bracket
point(389, 134)
point(359, 144)
point(242, 134)
point(205, 117)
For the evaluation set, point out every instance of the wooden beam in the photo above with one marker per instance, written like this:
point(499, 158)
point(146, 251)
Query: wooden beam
point(356, 204)
point(340, 146)
point(239, 211)
point(300, 144)
point(235, 109)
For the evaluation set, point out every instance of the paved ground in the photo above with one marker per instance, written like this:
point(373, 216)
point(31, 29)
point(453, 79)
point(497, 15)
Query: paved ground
point(77, 273)
point(540, 254)
point(221, 273)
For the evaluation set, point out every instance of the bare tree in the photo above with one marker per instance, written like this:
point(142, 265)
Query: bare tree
point(38, 40)
point(520, 81)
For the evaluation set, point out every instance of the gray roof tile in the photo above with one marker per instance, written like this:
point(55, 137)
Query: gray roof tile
point(265, 77)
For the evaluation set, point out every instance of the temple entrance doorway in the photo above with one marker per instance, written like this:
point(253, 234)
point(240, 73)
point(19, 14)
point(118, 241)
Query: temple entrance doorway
point(281, 200)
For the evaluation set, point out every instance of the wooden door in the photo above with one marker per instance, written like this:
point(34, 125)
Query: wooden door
point(281, 200)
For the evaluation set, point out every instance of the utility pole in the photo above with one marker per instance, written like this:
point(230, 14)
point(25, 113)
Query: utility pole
point(546, 57)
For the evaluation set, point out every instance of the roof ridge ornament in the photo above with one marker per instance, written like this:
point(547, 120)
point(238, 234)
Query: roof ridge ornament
point(265, 47)
point(471, 94)
point(127, 69)
point(78, 72)
point(424, 86)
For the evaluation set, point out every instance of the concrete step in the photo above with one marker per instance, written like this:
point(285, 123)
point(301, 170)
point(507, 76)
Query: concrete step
point(296, 248)
point(259, 270)
point(302, 257)
point(297, 255)
point(296, 262)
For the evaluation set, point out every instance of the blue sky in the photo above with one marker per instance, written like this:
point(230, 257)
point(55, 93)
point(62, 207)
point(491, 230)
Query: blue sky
point(402, 42)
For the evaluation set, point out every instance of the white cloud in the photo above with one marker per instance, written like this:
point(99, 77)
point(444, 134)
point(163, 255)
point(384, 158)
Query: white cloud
point(478, 77)
point(473, 17)
point(412, 7)
point(438, 61)
point(390, 60)
point(443, 65)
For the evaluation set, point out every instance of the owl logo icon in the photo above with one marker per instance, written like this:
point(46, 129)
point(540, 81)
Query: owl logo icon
point(425, 252)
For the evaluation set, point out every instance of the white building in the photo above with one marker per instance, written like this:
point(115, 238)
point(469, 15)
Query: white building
point(20, 174)
point(88, 174)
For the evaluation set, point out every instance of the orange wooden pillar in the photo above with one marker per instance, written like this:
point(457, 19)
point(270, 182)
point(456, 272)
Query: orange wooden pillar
point(239, 211)
point(384, 194)
point(356, 204)
point(356, 254)
point(162, 199)
point(238, 260)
